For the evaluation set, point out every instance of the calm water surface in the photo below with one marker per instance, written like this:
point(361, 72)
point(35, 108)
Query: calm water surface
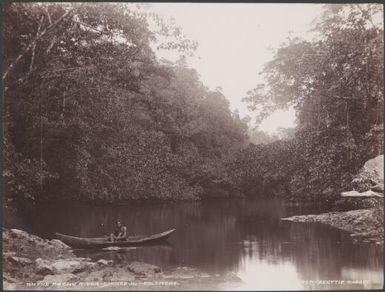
point(243, 237)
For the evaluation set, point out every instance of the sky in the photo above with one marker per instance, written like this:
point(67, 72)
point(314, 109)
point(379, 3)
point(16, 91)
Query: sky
point(235, 41)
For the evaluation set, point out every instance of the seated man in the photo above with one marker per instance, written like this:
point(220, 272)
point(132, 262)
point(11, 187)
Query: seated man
point(120, 233)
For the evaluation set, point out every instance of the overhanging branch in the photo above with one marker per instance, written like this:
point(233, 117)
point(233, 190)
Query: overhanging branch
point(33, 43)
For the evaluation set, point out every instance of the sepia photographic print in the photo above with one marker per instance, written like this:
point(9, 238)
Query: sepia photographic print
point(192, 146)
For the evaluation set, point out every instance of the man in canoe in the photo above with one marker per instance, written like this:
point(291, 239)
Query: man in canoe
point(120, 233)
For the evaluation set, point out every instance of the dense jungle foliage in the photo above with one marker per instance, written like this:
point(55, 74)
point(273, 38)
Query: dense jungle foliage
point(336, 84)
point(91, 113)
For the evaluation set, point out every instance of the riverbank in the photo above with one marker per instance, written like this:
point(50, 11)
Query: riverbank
point(33, 263)
point(363, 224)
point(367, 223)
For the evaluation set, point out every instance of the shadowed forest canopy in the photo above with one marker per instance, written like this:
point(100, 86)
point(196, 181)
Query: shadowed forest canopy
point(336, 83)
point(91, 113)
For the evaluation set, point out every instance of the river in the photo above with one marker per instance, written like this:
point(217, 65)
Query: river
point(244, 237)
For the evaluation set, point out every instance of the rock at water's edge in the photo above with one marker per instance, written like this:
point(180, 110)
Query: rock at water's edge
point(143, 269)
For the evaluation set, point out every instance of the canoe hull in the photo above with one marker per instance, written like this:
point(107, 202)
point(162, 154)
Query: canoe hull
point(102, 242)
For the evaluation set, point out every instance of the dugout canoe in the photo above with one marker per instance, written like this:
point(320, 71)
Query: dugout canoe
point(102, 242)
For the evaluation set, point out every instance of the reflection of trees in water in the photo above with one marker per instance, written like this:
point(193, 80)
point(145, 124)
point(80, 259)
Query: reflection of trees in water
point(95, 221)
point(317, 251)
point(324, 251)
point(215, 236)
point(202, 239)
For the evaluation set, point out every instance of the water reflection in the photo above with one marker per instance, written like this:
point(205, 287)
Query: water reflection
point(262, 275)
point(310, 253)
point(244, 237)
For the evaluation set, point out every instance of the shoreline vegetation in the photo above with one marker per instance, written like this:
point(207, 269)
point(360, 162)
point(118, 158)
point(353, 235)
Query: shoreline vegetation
point(124, 124)
point(91, 113)
point(364, 225)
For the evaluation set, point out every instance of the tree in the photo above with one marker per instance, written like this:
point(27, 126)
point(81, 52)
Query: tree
point(335, 83)
point(94, 115)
